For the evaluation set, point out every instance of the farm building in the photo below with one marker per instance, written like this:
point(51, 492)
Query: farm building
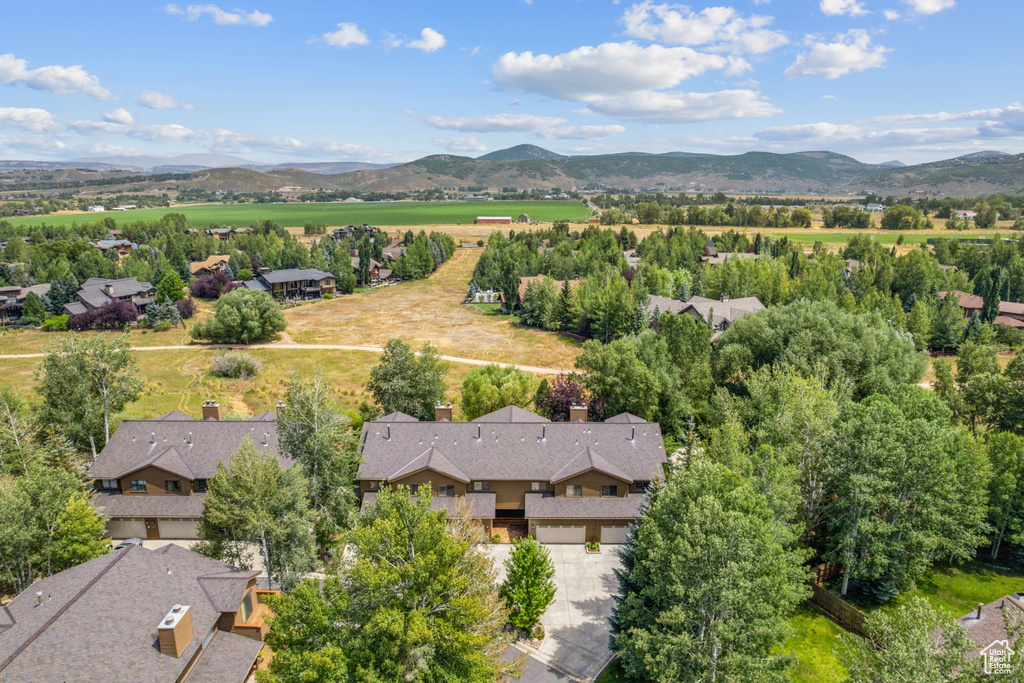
point(494, 220)
point(523, 218)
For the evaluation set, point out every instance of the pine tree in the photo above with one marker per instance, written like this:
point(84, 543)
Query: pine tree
point(639, 319)
point(684, 292)
point(228, 272)
point(33, 313)
point(528, 589)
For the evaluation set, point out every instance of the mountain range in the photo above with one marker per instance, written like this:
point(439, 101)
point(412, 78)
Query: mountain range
point(528, 167)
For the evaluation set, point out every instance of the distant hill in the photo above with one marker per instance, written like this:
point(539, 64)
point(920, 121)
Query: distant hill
point(520, 152)
point(974, 174)
point(892, 164)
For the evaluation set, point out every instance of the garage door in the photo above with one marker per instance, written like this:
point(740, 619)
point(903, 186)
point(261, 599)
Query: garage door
point(554, 533)
point(126, 528)
point(178, 528)
point(611, 534)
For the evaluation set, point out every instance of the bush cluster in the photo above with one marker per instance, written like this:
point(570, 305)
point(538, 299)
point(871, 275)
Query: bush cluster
point(112, 315)
point(236, 365)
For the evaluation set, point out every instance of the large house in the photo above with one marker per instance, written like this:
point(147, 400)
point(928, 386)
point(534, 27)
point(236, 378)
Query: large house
point(136, 615)
point(719, 313)
point(12, 299)
point(353, 230)
point(571, 481)
point(213, 264)
point(120, 247)
point(713, 257)
point(1010, 314)
point(226, 233)
point(969, 303)
point(294, 283)
point(151, 477)
point(97, 291)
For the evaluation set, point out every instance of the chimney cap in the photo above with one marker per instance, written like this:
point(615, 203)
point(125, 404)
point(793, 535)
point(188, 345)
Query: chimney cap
point(174, 616)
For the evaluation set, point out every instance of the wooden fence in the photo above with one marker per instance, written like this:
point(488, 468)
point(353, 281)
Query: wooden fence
point(831, 604)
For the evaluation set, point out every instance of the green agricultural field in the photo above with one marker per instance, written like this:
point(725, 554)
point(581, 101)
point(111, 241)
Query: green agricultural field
point(909, 237)
point(292, 215)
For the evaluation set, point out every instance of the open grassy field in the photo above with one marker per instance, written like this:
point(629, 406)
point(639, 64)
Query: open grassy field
point(374, 213)
point(430, 310)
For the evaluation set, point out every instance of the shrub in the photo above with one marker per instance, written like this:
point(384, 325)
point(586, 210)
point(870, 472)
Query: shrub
point(162, 326)
point(157, 314)
point(186, 308)
point(112, 315)
point(235, 364)
point(242, 316)
point(211, 286)
point(328, 296)
point(56, 323)
point(496, 538)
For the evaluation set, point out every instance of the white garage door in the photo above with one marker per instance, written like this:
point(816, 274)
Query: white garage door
point(554, 533)
point(178, 528)
point(611, 535)
point(126, 528)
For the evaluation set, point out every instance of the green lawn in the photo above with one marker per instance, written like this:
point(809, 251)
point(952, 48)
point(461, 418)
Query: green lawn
point(612, 674)
point(814, 642)
point(374, 213)
point(956, 591)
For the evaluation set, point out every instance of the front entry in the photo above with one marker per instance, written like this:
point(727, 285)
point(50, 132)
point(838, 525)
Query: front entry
point(152, 529)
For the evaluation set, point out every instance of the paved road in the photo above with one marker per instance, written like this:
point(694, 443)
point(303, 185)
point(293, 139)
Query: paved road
point(326, 347)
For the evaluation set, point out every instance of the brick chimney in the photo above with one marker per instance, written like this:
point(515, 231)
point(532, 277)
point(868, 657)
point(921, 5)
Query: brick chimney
point(211, 410)
point(443, 412)
point(109, 289)
point(175, 631)
point(578, 413)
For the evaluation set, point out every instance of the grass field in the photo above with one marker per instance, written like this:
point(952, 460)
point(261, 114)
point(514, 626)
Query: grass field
point(290, 215)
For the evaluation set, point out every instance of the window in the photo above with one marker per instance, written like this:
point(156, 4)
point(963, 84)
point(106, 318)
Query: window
point(414, 489)
point(172, 486)
point(446, 490)
point(245, 609)
point(374, 486)
point(611, 490)
point(641, 486)
point(138, 485)
point(200, 484)
point(481, 486)
point(573, 490)
point(109, 484)
point(539, 486)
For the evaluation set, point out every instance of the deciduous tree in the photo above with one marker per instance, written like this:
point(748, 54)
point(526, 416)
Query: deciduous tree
point(404, 382)
point(492, 387)
point(242, 316)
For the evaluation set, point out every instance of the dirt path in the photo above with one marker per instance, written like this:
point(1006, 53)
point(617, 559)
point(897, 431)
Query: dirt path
point(290, 345)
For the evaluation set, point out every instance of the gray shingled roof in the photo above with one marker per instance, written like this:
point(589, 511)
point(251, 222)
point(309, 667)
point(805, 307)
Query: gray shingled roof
point(513, 451)
point(588, 459)
point(434, 460)
point(481, 503)
point(628, 418)
point(122, 505)
point(227, 659)
point(294, 274)
point(725, 312)
point(257, 285)
point(511, 414)
point(540, 506)
point(176, 415)
point(397, 416)
point(136, 442)
point(98, 621)
point(75, 308)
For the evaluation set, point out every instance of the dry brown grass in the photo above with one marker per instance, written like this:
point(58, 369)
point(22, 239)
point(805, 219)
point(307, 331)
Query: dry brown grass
point(430, 310)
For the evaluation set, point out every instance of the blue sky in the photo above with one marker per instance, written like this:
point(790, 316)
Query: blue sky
point(913, 80)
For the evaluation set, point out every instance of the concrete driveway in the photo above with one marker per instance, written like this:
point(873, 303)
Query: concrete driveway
point(577, 621)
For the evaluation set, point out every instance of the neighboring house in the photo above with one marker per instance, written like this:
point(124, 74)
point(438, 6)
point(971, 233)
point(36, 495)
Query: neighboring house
point(719, 313)
point(353, 230)
point(96, 208)
point(12, 300)
point(969, 303)
point(986, 625)
point(152, 475)
point(137, 615)
point(965, 215)
point(375, 268)
point(713, 257)
point(214, 264)
point(1010, 314)
point(478, 198)
point(497, 220)
point(294, 283)
point(395, 250)
point(226, 233)
point(524, 282)
point(97, 291)
point(875, 208)
point(121, 247)
point(570, 481)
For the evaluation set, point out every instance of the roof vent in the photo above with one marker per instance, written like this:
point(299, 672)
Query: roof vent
point(39, 597)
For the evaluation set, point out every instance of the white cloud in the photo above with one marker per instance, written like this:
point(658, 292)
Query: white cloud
point(496, 123)
point(466, 144)
point(158, 100)
point(891, 15)
point(719, 28)
point(581, 132)
point(850, 52)
point(1005, 121)
point(60, 80)
point(220, 17)
point(830, 98)
point(121, 115)
point(679, 107)
point(30, 119)
point(430, 41)
point(608, 69)
point(930, 6)
point(837, 8)
point(18, 143)
point(832, 134)
point(347, 35)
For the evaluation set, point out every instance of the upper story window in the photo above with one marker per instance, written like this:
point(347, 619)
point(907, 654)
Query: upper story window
point(481, 486)
point(446, 490)
point(573, 490)
point(374, 486)
point(641, 486)
point(138, 484)
point(109, 484)
point(414, 489)
point(610, 490)
point(172, 486)
point(201, 484)
point(538, 486)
